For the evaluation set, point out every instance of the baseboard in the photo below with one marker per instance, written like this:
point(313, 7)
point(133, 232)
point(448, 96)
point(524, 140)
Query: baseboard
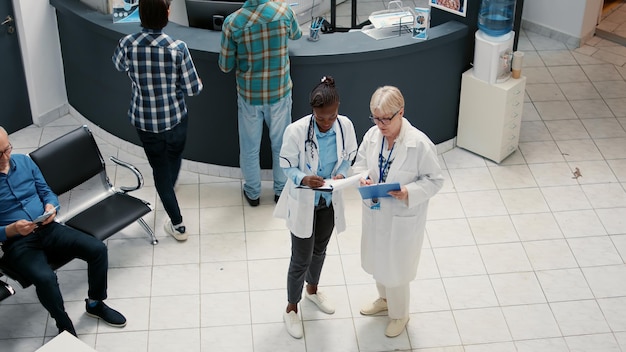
point(51, 115)
point(611, 37)
point(570, 41)
point(194, 166)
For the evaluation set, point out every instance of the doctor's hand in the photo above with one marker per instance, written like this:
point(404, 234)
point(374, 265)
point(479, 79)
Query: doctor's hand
point(338, 177)
point(402, 194)
point(365, 181)
point(312, 181)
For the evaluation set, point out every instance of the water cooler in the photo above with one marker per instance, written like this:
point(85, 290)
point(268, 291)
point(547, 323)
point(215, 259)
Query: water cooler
point(490, 108)
point(493, 50)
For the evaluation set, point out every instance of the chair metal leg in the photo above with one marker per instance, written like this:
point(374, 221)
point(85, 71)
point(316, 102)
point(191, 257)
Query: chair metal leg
point(146, 227)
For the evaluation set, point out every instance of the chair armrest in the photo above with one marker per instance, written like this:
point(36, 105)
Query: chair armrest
point(135, 171)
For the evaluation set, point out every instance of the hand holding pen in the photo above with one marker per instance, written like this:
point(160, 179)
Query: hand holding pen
point(312, 181)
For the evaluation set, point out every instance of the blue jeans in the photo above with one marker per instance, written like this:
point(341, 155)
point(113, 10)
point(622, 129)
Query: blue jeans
point(277, 116)
point(164, 151)
point(308, 254)
point(29, 256)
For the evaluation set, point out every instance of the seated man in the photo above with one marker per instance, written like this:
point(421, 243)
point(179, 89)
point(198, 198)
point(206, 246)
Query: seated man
point(27, 245)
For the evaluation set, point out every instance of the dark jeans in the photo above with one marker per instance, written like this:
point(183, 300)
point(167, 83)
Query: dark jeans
point(29, 256)
point(165, 153)
point(308, 254)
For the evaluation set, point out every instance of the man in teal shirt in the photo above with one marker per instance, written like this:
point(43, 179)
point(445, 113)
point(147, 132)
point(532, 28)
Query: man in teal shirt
point(254, 41)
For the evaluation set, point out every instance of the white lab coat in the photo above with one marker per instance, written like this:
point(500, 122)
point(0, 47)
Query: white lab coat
point(392, 236)
point(296, 205)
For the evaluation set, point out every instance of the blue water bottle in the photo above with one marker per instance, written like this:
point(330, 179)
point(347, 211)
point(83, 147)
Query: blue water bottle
point(495, 17)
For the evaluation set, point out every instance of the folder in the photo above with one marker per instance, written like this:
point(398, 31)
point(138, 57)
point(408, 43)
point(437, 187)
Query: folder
point(378, 190)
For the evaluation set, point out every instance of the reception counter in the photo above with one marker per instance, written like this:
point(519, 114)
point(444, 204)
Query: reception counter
point(427, 72)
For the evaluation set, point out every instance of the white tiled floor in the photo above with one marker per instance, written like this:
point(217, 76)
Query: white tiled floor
point(525, 257)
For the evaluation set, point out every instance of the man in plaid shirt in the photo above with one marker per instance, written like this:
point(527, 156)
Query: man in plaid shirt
point(254, 41)
point(161, 72)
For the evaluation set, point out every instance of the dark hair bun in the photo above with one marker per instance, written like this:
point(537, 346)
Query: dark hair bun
point(329, 81)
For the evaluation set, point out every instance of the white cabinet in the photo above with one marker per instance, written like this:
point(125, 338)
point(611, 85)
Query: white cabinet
point(490, 116)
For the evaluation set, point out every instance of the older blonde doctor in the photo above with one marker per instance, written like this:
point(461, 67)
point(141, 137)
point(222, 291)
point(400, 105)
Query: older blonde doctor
point(318, 146)
point(393, 227)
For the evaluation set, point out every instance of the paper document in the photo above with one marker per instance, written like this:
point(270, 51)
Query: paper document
point(378, 190)
point(335, 185)
point(326, 187)
point(391, 18)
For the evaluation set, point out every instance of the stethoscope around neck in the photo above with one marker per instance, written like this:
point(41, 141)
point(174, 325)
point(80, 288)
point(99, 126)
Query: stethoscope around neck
point(312, 146)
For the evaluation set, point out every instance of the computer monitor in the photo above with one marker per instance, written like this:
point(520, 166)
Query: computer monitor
point(210, 14)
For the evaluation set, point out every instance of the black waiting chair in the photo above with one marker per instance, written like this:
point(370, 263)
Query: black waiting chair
point(69, 162)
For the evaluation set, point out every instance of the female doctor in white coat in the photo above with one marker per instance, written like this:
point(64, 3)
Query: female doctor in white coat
point(318, 146)
point(393, 227)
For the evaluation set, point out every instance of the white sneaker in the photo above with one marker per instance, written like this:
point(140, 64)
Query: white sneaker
point(379, 305)
point(396, 327)
point(293, 324)
point(177, 232)
point(320, 301)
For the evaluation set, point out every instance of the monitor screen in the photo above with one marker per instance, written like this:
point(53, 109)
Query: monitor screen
point(210, 14)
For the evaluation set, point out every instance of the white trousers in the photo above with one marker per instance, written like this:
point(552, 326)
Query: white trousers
point(397, 300)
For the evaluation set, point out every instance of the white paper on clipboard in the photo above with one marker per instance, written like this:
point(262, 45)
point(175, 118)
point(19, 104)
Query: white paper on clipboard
point(331, 185)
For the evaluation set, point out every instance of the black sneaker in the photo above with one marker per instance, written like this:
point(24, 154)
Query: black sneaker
point(108, 315)
point(64, 323)
point(252, 202)
point(71, 331)
point(276, 198)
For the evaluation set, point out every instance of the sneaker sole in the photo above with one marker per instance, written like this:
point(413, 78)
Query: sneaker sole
point(373, 313)
point(181, 237)
point(106, 322)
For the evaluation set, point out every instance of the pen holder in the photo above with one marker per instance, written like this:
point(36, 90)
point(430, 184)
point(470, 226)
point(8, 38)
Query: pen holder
point(314, 31)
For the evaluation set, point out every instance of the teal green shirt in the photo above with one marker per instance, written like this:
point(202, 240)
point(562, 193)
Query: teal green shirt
point(254, 41)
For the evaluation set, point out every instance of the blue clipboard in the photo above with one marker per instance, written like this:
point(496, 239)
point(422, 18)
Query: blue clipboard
point(378, 190)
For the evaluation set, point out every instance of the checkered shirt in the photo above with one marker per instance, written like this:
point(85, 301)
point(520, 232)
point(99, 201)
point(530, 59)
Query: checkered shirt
point(162, 72)
point(254, 40)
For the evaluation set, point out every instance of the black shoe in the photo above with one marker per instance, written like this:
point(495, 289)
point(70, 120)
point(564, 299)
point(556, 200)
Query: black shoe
point(252, 202)
point(108, 315)
point(64, 323)
point(71, 331)
point(276, 198)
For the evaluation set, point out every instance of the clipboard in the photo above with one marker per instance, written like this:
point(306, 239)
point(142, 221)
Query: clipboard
point(378, 190)
point(326, 187)
point(331, 185)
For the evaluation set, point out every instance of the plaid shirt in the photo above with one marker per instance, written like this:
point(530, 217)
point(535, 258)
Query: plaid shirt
point(162, 72)
point(254, 39)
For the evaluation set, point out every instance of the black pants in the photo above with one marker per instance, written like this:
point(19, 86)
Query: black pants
point(308, 254)
point(29, 256)
point(165, 154)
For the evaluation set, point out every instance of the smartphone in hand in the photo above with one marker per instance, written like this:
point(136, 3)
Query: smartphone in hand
point(41, 218)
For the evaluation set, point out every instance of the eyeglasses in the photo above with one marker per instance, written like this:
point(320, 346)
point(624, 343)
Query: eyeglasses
point(383, 120)
point(6, 151)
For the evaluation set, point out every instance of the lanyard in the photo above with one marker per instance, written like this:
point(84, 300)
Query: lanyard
point(382, 167)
